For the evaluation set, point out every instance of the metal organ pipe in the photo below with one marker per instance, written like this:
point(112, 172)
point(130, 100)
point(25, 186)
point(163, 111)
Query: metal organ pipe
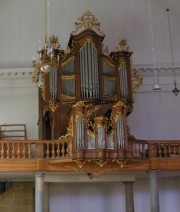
point(120, 132)
point(53, 83)
point(101, 137)
point(89, 71)
point(80, 132)
point(123, 81)
point(96, 82)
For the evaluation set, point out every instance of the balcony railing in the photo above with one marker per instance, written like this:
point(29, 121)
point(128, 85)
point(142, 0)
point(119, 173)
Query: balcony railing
point(30, 149)
point(60, 149)
point(154, 149)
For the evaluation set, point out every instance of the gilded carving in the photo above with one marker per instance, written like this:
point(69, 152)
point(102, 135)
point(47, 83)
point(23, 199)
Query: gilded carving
point(68, 77)
point(53, 105)
point(92, 110)
point(79, 104)
point(122, 45)
point(111, 98)
point(119, 115)
point(54, 42)
point(67, 61)
point(78, 115)
point(91, 133)
point(80, 163)
point(109, 63)
point(98, 167)
point(101, 163)
point(109, 78)
point(100, 121)
point(121, 162)
point(137, 81)
point(66, 97)
point(43, 92)
point(85, 41)
point(70, 127)
point(119, 104)
point(122, 63)
point(105, 50)
point(87, 21)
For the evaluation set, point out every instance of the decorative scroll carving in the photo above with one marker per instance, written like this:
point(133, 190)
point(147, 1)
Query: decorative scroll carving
point(122, 45)
point(87, 21)
point(79, 104)
point(105, 50)
point(137, 81)
point(53, 105)
point(54, 42)
point(65, 97)
point(119, 104)
point(97, 168)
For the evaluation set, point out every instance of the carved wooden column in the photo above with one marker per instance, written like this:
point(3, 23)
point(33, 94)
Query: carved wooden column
point(129, 196)
point(154, 192)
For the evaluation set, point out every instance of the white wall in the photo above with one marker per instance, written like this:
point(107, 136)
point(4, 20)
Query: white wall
point(107, 197)
point(156, 113)
point(19, 100)
point(22, 26)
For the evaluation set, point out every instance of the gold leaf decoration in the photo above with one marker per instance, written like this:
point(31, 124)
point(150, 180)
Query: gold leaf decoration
point(88, 21)
point(122, 45)
point(137, 81)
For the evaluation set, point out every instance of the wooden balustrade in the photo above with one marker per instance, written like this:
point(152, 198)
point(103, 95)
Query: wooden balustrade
point(154, 148)
point(59, 149)
point(30, 149)
point(164, 149)
point(138, 149)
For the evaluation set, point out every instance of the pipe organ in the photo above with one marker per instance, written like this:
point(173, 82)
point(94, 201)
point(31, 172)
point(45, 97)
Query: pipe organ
point(86, 91)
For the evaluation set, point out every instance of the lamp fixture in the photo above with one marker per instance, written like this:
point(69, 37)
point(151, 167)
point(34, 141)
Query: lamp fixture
point(175, 90)
point(156, 84)
point(49, 55)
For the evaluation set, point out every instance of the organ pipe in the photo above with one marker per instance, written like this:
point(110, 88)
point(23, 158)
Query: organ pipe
point(53, 83)
point(89, 71)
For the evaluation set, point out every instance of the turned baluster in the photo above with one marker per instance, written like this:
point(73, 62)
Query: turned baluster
point(47, 150)
point(13, 151)
point(165, 150)
point(58, 150)
point(63, 150)
point(29, 150)
point(159, 150)
point(7, 150)
point(24, 150)
point(143, 150)
point(2, 151)
point(53, 150)
point(19, 151)
point(169, 150)
point(174, 149)
point(178, 149)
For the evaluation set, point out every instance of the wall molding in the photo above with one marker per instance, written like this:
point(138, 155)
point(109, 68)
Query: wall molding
point(16, 74)
point(165, 75)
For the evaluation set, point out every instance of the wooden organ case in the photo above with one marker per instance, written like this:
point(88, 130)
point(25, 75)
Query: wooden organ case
point(86, 92)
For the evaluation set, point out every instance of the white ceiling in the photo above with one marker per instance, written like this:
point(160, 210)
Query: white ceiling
point(22, 27)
